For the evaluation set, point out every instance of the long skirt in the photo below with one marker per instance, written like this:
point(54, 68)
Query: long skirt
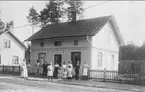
point(25, 73)
point(55, 74)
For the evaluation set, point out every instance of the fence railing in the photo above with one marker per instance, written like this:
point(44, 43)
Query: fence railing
point(6, 69)
point(98, 75)
point(103, 75)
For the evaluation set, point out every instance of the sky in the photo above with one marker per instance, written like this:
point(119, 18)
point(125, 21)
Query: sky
point(129, 15)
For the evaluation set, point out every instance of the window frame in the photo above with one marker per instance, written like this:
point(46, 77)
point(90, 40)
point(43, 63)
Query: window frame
point(42, 44)
point(55, 43)
point(76, 42)
point(15, 60)
point(100, 59)
point(7, 43)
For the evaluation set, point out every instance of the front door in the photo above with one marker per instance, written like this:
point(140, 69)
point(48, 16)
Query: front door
point(57, 59)
point(75, 56)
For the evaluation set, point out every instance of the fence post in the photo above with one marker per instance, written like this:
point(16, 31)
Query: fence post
point(104, 73)
point(3, 68)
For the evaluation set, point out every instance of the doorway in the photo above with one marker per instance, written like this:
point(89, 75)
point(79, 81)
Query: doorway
point(75, 56)
point(58, 59)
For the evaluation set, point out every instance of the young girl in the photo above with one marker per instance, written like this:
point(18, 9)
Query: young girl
point(59, 73)
point(64, 71)
point(50, 71)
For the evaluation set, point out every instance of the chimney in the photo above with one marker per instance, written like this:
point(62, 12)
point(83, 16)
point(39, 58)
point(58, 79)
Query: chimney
point(73, 16)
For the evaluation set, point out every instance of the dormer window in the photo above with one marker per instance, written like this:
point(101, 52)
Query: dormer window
point(75, 42)
point(57, 43)
point(42, 44)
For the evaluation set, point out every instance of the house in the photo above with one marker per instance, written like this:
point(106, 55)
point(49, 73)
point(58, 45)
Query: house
point(95, 40)
point(12, 50)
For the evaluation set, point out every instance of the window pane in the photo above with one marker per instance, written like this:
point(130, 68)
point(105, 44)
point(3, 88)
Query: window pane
point(100, 59)
point(57, 43)
point(75, 42)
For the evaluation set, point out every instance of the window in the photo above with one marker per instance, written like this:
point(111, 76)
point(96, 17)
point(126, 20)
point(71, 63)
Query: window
point(42, 44)
point(0, 59)
point(41, 57)
point(15, 60)
point(57, 43)
point(112, 60)
point(100, 57)
point(75, 42)
point(7, 43)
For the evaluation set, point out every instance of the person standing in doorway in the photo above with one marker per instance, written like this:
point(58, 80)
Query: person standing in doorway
point(50, 71)
point(45, 69)
point(77, 70)
point(69, 71)
point(85, 70)
point(56, 70)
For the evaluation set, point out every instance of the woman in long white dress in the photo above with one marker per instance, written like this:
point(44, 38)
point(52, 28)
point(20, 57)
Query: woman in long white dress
point(24, 72)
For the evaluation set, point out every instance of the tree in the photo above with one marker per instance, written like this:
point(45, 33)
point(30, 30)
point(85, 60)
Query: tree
point(7, 26)
point(74, 5)
point(33, 16)
point(54, 12)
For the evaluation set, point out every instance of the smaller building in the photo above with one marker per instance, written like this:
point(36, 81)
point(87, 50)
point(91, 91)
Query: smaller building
point(12, 50)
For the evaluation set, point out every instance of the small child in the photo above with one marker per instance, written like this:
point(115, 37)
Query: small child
point(59, 74)
point(64, 76)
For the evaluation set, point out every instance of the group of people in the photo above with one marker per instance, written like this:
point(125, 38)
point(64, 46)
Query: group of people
point(64, 72)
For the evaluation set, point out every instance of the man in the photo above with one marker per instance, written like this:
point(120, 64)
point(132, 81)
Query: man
point(45, 69)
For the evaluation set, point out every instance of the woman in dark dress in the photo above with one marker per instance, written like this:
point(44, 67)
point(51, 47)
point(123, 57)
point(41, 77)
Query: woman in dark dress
point(55, 73)
point(77, 70)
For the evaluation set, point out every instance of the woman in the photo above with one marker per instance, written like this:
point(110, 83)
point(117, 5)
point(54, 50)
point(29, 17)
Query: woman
point(24, 72)
point(56, 71)
point(77, 70)
point(50, 71)
point(69, 71)
point(85, 70)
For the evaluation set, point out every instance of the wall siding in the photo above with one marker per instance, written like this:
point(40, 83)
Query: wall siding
point(66, 49)
point(8, 53)
point(105, 42)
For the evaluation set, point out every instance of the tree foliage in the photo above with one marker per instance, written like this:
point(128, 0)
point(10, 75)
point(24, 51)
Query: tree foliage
point(6, 26)
point(54, 11)
point(132, 52)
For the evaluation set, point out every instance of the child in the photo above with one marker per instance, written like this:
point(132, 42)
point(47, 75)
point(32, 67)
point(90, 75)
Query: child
point(59, 74)
point(64, 76)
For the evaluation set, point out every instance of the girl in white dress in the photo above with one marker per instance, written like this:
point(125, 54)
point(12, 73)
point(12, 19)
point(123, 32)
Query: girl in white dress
point(50, 71)
point(85, 70)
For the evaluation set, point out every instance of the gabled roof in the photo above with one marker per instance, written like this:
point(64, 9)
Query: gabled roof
point(86, 27)
point(12, 35)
